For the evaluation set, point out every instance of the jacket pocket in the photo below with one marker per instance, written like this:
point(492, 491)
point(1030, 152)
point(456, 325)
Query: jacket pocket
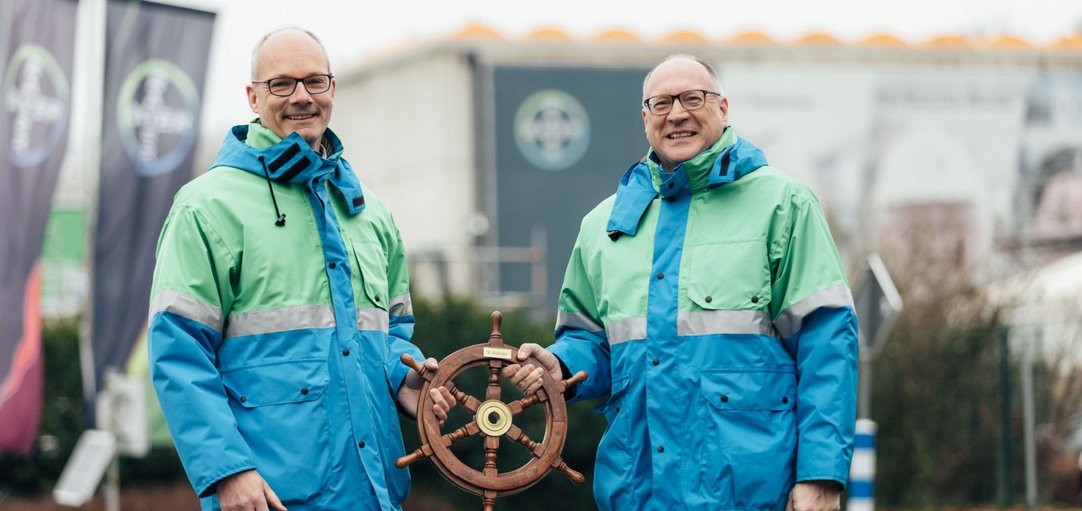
point(728, 275)
point(749, 390)
point(747, 436)
point(611, 407)
point(281, 414)
point(276, 384)
point(616, 468)
point(370, 264)
point(614, 441)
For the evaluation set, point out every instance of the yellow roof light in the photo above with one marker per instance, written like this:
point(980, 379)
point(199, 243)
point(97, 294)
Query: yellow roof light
point(883, 40)
point(684, 36)
point(476, 31)
point(751, 37)
point(617, 35)
point(819, 39)
point(549, 34)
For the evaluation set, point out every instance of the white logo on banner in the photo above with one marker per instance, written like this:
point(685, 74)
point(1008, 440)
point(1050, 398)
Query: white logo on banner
point(552, 129)
point(36, 94)
point(157, 127)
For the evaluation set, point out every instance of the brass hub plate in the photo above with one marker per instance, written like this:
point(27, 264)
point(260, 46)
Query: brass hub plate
point(493, 417)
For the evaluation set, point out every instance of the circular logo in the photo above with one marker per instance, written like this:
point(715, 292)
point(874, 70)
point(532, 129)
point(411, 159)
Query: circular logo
point(552, 130)
point(156, 111)
point(36, 96)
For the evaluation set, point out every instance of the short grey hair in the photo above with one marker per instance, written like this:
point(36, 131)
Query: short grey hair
point(263, 40)
point(710, 69)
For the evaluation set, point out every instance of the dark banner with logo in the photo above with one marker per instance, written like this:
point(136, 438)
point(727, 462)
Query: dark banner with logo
point(37, 42)
point(564, 137)
point(156, 58)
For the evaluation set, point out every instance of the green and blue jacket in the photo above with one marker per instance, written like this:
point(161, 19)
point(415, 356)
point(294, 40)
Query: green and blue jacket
point(274, 342)
point(711, 307)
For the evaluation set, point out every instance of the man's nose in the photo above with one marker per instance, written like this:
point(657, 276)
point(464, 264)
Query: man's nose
point(678, 109)
point(300, 95)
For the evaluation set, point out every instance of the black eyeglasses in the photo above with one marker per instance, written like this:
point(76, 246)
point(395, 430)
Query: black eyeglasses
point(689, 99)
point(285, 86)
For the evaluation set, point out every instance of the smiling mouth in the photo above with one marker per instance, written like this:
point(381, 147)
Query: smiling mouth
point(679, 135)
point(300, 117)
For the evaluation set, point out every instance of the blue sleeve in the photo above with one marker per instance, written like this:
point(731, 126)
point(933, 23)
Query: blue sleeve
point(193, 400)
point(581, 342)
point(399, 334)
point(399, 312)
point(825, 350)
point(814, 316)
point(580, 350)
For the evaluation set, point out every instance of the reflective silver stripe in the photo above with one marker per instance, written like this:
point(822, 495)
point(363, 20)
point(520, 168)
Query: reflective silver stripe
point(373, 318)
point(187, 306)
point(281, 319)
point(789, 322)
point(724, 322)
point(401, 306)
point(577, 320)
point(627, 330)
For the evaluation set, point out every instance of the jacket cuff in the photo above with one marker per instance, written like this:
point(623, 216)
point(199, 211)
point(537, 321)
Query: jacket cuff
point(209, 486)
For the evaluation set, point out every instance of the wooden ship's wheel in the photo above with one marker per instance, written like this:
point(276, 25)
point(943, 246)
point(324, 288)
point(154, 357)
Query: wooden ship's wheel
point(493, 420)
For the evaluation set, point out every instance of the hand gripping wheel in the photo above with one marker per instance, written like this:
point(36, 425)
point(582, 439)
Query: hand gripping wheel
point(493, 419)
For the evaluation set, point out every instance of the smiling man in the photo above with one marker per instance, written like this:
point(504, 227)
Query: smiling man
point(274, 346)
point(707, 300)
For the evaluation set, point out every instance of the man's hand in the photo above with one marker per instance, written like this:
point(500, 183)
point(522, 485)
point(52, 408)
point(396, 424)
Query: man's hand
point(815, 496)
point(527, 377)
point(247, 491)
point(410, 392)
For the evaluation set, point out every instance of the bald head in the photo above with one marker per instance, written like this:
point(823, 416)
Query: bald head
point(683, 58)
point(286, 36)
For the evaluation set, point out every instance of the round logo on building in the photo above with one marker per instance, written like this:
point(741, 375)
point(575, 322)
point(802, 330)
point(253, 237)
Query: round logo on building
point(552, 129)
point(156, 112)
point(36, 99)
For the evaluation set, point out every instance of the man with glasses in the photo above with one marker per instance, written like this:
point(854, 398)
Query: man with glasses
point(280, 307)
point(707, 301)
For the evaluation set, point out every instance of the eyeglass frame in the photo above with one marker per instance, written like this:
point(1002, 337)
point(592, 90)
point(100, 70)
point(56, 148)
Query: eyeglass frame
point(330, 80)
point(675, 98)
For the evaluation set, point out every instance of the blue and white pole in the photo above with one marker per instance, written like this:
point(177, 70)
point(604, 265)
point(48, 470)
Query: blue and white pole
point(861, 488)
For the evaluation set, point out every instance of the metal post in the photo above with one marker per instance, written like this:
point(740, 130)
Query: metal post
point(861, 488)
point(538, 271)
point(864, 382)
point(1006, 495)
point(112, 486)
point(1028, 425)
point(90, 65)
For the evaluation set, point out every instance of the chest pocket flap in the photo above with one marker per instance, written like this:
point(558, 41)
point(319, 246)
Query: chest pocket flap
point(371, 266)
point(728, 275)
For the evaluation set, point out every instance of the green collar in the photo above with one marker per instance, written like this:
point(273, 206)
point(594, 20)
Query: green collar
point(697, 168)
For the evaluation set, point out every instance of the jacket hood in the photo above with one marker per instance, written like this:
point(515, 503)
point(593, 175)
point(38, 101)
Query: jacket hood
point(258, 150)
point(729, 159)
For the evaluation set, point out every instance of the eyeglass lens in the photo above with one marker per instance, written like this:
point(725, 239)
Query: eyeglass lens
point(286, 86)
point(690, 100)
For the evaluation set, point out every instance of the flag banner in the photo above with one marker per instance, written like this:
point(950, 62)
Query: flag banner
point(37, 43)
point(155, 66)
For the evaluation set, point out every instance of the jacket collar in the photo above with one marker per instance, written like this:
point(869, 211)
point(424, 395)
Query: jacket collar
point(729, 159)
point(258, 150)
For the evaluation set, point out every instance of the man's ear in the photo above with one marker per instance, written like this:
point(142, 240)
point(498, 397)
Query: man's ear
point(252, 103)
